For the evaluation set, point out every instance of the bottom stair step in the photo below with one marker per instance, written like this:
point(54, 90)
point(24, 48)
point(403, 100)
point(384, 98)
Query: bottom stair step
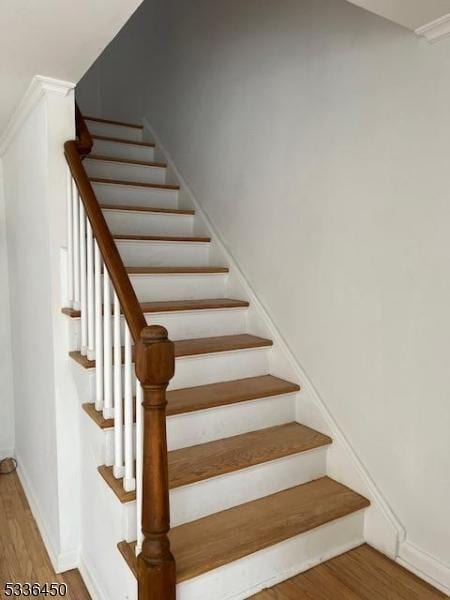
point(224, 537)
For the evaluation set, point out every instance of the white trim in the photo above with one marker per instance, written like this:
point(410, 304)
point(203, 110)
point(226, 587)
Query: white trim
point(39, 86)
point(61, 561)
point(397, 530)
point(425, 566)
point(91, 579)
point(435, 30)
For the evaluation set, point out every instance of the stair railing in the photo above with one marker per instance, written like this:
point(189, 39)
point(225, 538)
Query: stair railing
point(100, 289)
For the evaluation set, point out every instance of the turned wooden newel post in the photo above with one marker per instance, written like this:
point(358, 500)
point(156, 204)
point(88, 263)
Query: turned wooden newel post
point(155, 365)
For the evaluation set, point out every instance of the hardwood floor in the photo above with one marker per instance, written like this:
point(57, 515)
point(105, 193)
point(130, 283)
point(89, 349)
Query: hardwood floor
point(361, 574)
point(23, 557)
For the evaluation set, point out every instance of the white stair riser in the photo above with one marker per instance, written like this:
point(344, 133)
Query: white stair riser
point(118, 150)
point(190, 286)
point(185, 325)
point(116, 170)
point(118, 131)
point(195, 370)
point(164, 254)
point(134, 195)
point(204, 498)
point(200, 427)
point(242, 578)
point(222, 366)
point(142, 223)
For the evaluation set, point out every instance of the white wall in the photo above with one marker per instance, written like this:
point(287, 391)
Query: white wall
point(6, 378)
point(316, 137)
point(46, 405)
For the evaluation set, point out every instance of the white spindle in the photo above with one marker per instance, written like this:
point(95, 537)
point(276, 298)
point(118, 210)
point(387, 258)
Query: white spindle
point(90, 292)
point(129, 482)
point(76, 247)
point(139, 463)
point(83, 287)
point(98, 329)
point(69, 239)
point(118, 395)
point(108, 412)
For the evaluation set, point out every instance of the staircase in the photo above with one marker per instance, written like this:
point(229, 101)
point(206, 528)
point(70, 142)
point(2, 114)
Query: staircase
point(250, 500)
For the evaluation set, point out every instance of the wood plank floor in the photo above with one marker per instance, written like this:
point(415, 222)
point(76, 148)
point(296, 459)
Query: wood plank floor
point(361, 574)
point(23, 557)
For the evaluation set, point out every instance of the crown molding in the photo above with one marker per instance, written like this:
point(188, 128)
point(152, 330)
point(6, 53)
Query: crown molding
point(39, 87)
point(435, 30)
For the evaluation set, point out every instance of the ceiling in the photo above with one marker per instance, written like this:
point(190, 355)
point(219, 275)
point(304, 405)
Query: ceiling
point(54, 38)
point(412, 14)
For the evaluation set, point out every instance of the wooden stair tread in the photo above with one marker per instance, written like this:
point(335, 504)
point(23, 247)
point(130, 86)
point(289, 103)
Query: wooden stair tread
point(107, 138)
point(212, 395)
point(178, 305)
point(173, 270)
point(212, 542)
point(111, 122)
point(161, 238)
point(151, 209)
point(158, 186)
point(128, 161)
point(196, 346)
point(227, 392)
point(197, 463)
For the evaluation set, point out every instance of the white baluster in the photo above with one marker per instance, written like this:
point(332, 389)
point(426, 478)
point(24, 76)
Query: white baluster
point(118, 470)
point(90, 292)
point(129, 482)
point(98, 329)
point(108, 412)
point(76, 247)
point(69, 239)
point(139, 463)
point(83, 290)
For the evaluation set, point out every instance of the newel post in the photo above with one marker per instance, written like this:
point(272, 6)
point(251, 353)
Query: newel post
point(155, 365)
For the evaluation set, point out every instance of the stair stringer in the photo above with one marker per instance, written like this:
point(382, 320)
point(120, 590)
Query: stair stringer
point(382, 528)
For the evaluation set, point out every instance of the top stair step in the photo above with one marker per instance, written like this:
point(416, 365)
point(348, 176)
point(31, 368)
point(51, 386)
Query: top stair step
point(212, 542)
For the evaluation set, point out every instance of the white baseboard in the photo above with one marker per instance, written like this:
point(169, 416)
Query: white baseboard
point(61, 561)
point(91, 580)
point(425, 566)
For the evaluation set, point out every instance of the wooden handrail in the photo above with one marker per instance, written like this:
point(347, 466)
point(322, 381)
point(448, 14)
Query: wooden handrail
point(155, 366)
point(108, 249)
